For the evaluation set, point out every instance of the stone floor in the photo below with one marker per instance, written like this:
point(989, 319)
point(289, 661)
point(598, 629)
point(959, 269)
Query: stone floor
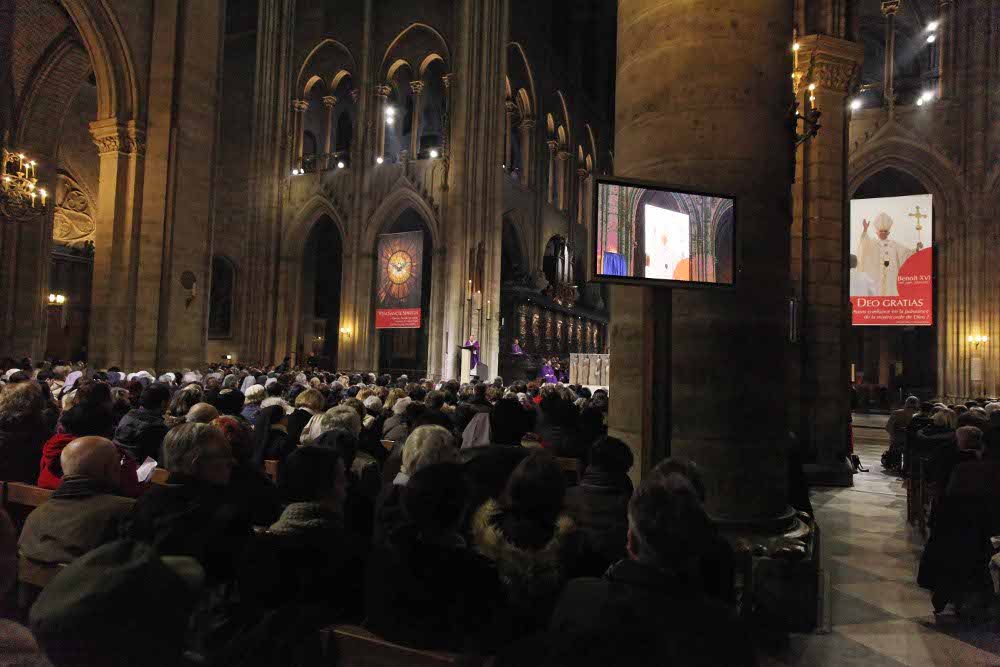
point(878, 614)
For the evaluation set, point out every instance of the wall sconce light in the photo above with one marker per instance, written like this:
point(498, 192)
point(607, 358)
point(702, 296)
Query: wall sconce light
point(345, 332)
point(229, 357)
point(57, 299)
point(977, 340)
point(379, 160)
point(434, 153)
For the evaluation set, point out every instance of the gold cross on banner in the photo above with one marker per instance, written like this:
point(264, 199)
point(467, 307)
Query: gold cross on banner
point(919, 216)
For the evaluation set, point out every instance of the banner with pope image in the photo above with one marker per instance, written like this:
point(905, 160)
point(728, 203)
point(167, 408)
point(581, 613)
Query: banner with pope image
point(892, 261)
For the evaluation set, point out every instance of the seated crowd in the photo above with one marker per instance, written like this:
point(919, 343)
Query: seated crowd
point(438, 515)
point(951, 457)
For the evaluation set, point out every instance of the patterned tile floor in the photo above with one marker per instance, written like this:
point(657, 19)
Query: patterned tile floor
point(879, 616)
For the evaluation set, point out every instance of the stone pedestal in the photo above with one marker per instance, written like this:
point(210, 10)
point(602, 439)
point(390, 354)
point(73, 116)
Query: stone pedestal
point(704, 106)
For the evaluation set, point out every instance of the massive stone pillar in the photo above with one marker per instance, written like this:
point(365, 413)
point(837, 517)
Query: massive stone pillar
point(329, 102)
point(818, 367)
point(418, 89)
point(889, 9)
point(269, 169)
point(704, 106)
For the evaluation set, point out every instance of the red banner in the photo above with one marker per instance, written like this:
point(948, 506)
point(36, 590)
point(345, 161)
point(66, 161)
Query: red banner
point(914, 306)
point(397, 318)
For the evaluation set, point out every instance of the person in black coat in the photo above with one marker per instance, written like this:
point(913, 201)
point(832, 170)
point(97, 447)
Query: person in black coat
point(141, 431)
point(270, 433)
point(22, 432)
point(648, 609)
point(194, 515)
point(425, 587)
point(599, 503)
point(248, 485)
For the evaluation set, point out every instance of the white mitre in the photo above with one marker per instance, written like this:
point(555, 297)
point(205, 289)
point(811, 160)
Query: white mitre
point(883, 222)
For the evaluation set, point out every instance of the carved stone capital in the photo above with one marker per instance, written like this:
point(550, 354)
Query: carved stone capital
point(110, 136)
point(382, 90)
point(564, 156)
point(509, 106)
point(528, 123)
point(354, 93)
point(890, 7)
point(448, 79)
point(553, 145)
point(829, 62)
point(582, 172)
point(834, 75)
point(301, 106)
point(417, 87)
point(330, 101)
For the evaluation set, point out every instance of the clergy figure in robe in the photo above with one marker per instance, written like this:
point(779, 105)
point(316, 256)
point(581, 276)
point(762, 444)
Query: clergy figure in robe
point(881, 258)
point(473, 346)
point(515, 348)
point(549, 373)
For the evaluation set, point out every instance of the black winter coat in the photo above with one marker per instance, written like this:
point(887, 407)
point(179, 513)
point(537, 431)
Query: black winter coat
point(141, 433)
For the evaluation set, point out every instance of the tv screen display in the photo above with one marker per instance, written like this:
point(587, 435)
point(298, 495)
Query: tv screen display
point(645, 233)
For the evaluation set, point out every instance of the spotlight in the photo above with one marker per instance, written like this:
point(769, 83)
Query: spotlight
point(60, 299)
point(812, 87)
point(379, 160)
point(920, 102)
point(856, 104)
point(389, 120)
point(927, 96)
point(796, 46)
point(931, 38)
point(933, 25)
point(433, 153)
point(341, 165)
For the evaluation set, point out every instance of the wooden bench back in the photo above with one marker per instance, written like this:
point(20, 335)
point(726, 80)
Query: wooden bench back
point(160, 476)
point(358, 647)
point(25, 495)
point(271, 469)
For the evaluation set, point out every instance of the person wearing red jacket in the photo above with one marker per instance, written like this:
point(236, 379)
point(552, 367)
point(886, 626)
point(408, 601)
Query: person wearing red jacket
point(91, 415)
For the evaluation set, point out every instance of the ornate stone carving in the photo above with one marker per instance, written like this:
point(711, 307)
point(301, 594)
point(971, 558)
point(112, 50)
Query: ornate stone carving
point(111, 137)
point(382, 91)
point(417, 87)
point(330, 101)
point(73, 219)
point(835, 75)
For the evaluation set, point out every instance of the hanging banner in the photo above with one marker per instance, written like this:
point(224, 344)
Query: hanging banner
point(399, 280)
point(892, 261)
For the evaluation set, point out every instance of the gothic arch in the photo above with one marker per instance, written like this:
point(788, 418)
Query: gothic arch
point(391, 208)
point(515, 54)
point(329, 61)
point(118, 94)
point(593, 146)
point(417, 45)
point(932, 170)
point(565, 117)
point(297, 233)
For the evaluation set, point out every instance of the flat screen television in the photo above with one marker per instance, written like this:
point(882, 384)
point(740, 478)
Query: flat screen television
point(645, 233)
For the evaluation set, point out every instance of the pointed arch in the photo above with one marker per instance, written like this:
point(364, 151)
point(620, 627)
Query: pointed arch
point(400, 199)
point(593, 145)
point(418, 45)
point(118, 92)
point(297, 233)
point(565, 119)
point(330, 61)
point(517, 55)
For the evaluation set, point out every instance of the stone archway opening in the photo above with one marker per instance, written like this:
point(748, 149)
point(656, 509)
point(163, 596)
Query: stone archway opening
point(405, 350)
point(890, 363)
point(322, 266)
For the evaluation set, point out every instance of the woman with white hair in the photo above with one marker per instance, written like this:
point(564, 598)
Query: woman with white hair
point(426, 446)
point(253, 397)
point(339, 416)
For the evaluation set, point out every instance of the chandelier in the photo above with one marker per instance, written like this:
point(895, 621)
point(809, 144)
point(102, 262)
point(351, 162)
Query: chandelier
point(20, 198)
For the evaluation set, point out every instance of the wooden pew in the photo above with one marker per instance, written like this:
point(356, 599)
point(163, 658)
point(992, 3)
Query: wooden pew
point(357, 647)
point(572, 469)
point(271, 469)
point(160, 476)
point(19, 499)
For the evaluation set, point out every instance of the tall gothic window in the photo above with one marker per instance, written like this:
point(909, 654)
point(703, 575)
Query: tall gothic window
point(220, 309)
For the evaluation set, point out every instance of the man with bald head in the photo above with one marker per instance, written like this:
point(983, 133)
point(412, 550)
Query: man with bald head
point(201, 413)
point(84, 511)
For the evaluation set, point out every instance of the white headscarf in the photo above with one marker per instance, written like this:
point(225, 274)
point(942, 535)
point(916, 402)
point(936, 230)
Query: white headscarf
point(8, 374)
point(302, 379)
point(248, 382)
point(277, 400)
point(269, 382)
point(71, 381)
point(477, 433)
point(190, 378)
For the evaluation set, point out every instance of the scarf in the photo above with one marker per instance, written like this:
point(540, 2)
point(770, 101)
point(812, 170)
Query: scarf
point(477, 433)
point(299, 517)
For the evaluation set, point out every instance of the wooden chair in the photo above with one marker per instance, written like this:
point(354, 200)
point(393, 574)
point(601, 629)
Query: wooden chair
point(271, 469)
point(160, 476)
point(357, 647)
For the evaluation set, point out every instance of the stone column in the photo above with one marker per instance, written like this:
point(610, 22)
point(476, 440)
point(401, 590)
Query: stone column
point(946, 49)
point(300, 107)
point(718, 354)
point(329, 102)
point(551, 185)
point(114, 291)
point(418, 88)
point(446, 120)
point(889, 9)
point(527, 130)
point(581, 195)
point(818, 366)
point(508, 128)
point(562, 179)
point(381, 95)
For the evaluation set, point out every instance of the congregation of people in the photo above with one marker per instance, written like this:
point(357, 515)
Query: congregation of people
point(950, 458)
point(437, 515)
